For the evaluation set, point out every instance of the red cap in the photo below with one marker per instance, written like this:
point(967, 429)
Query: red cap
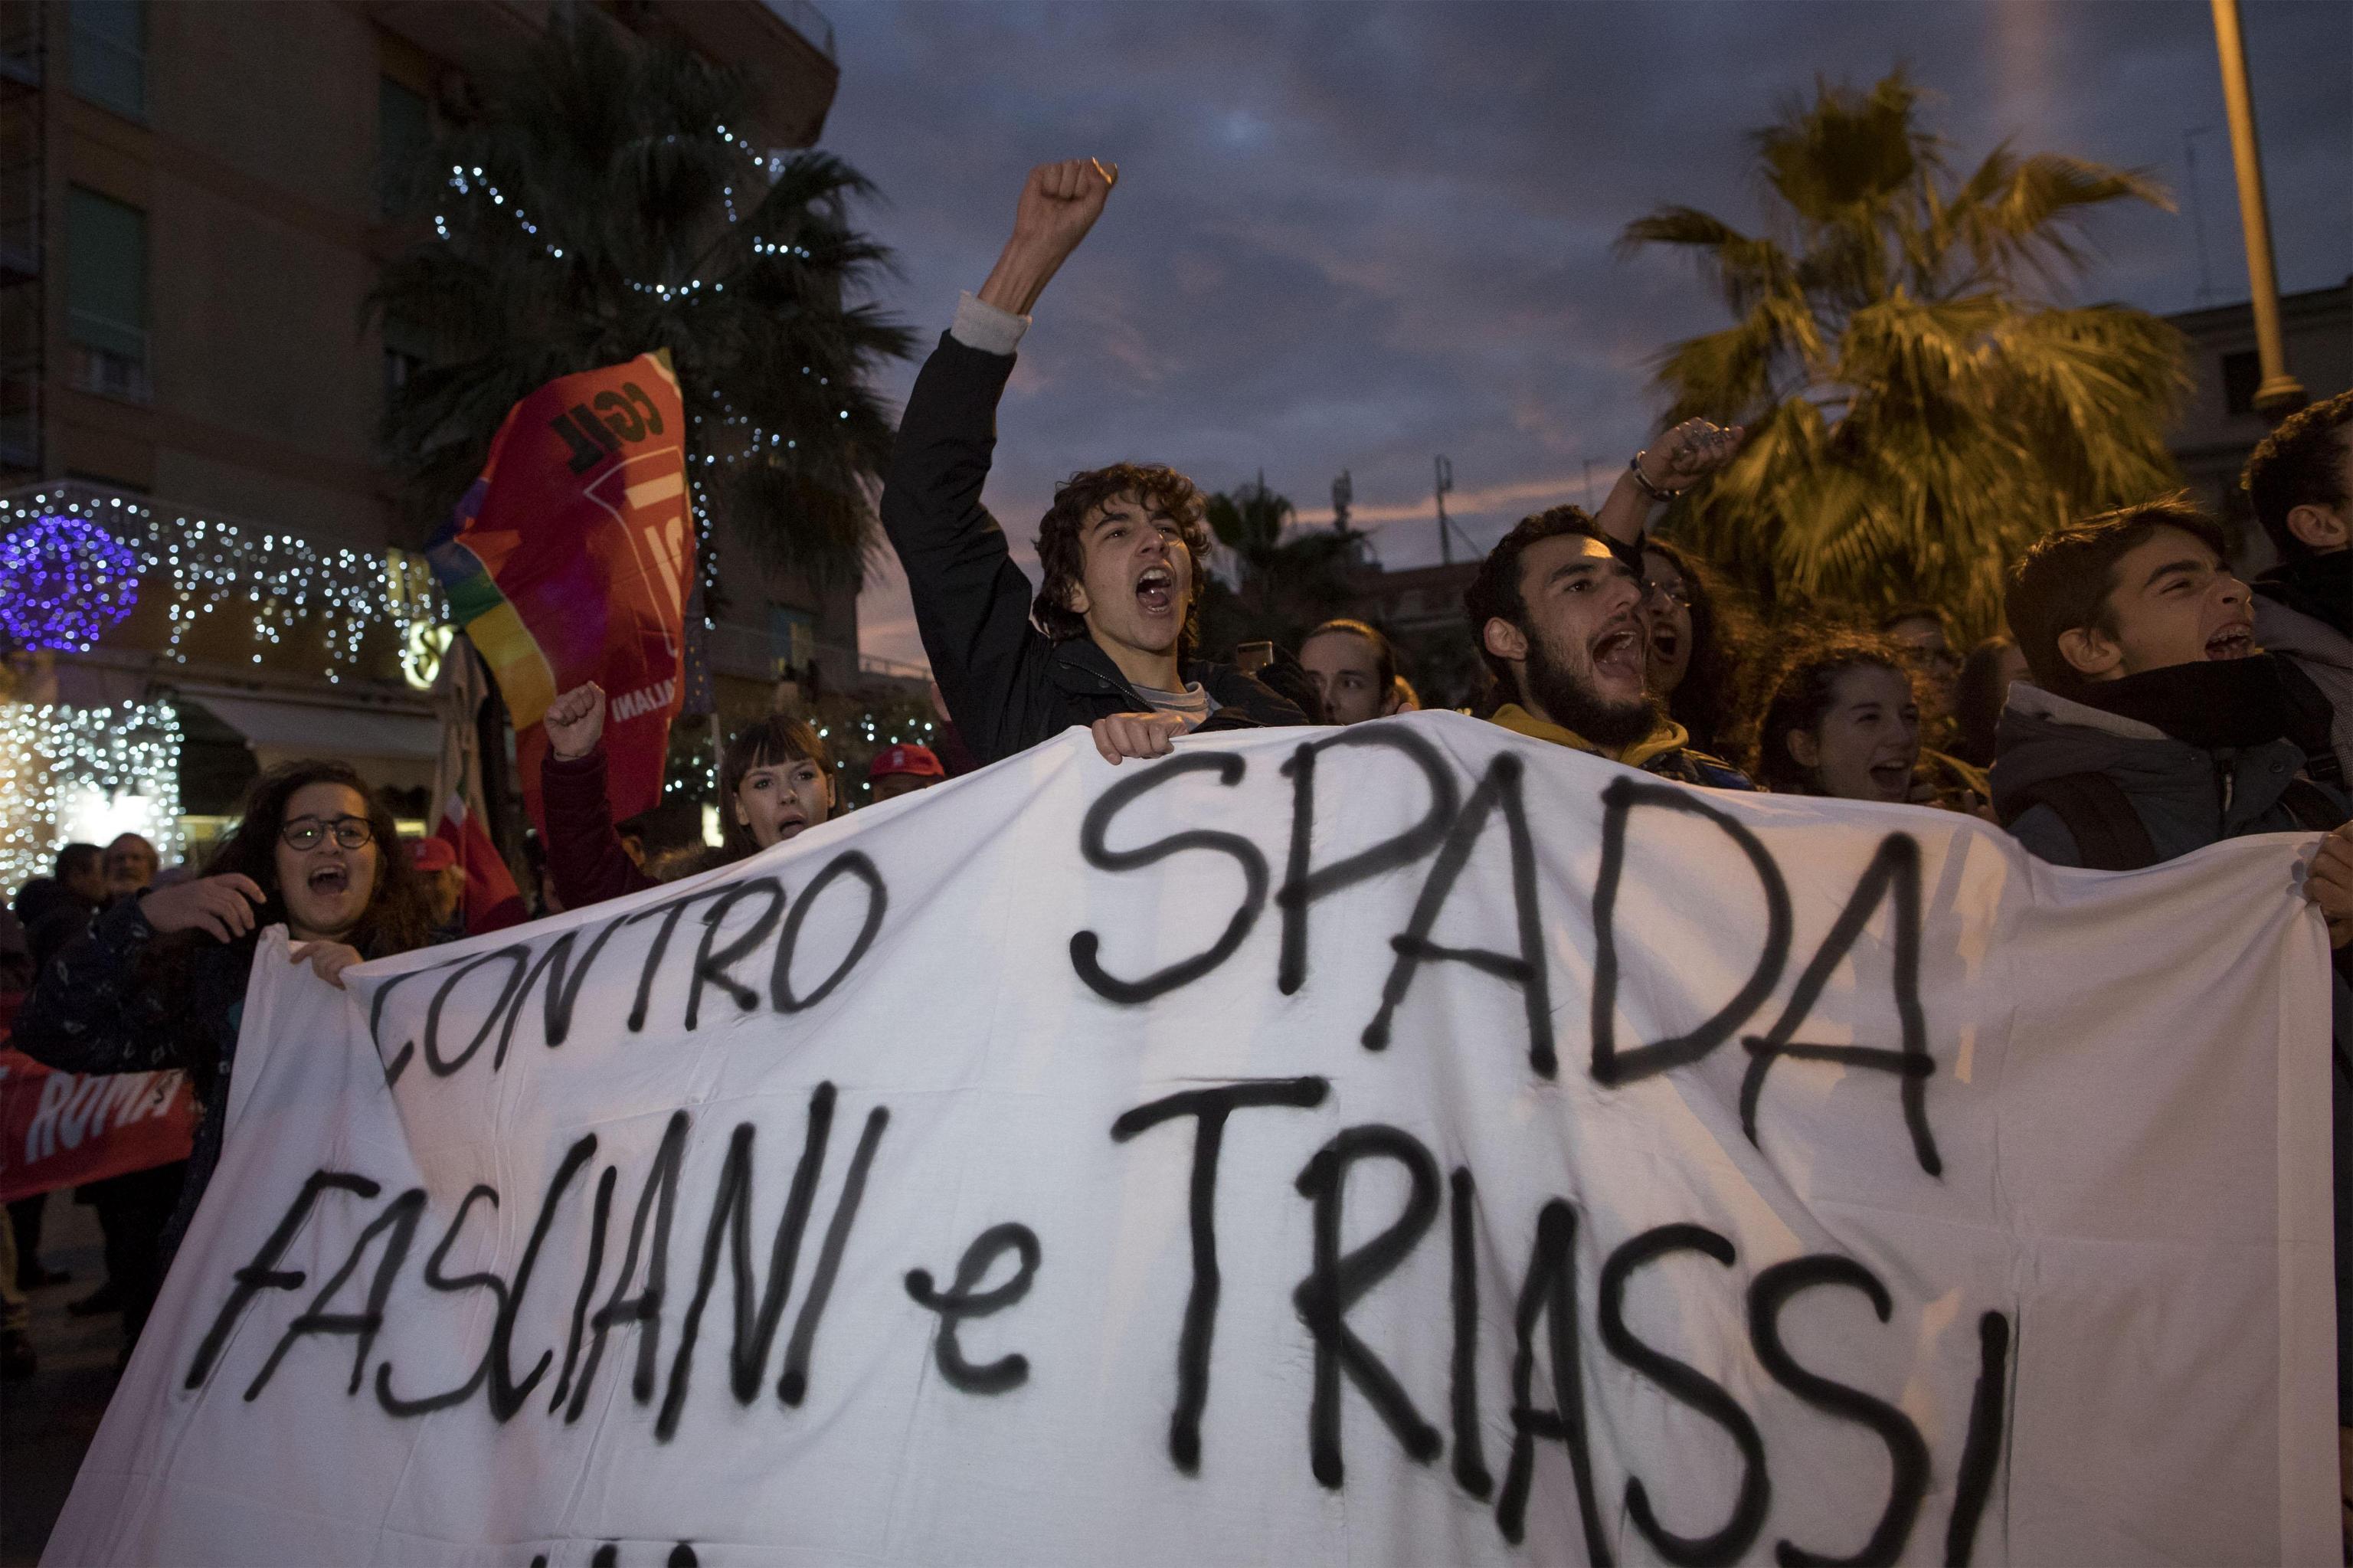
point(432, 854)
point(915, 760)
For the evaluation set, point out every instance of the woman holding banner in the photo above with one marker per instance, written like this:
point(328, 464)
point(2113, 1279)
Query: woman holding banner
point(159, 981)
point(776, 779)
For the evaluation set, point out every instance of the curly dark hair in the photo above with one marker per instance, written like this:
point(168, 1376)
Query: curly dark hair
point(398, 916)
point(1061, 552)
point(1804, 685)
point(1495, 593)
point(2063, 580)
point(1707, 701)
point(2300, 464)
point(778, 738)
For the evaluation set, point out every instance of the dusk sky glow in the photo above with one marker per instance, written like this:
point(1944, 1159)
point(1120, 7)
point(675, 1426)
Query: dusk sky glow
point(1355, 236)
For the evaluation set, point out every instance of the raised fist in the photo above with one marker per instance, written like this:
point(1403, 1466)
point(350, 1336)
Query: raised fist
point(1059, 202)
point(1689, 453)
point(574, 720)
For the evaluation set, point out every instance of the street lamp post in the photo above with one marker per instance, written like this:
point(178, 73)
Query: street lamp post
point(2279, 391)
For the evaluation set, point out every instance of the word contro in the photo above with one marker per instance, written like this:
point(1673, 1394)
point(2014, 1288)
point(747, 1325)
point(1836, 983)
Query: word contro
point(1447, 834)
point(719, 961)
point(1547, 1316)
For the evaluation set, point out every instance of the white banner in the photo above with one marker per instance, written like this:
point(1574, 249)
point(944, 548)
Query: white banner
point(1406, 1144)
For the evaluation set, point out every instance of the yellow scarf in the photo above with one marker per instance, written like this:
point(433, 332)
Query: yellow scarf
point(1519, 721)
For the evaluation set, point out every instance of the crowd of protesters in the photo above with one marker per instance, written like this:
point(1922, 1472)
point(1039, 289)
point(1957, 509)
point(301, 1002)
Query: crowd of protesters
point(2143, 701)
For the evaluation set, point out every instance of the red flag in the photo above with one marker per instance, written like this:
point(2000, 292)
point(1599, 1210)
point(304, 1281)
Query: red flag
point(493, 902)
point(60, 1129)
point(570, 560)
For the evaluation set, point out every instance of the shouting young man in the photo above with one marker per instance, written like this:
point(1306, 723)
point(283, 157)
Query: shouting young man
point(1123, 548)
point(1556, 608)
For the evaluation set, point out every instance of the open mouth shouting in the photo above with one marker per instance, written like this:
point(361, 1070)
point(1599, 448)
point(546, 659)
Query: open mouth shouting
point(332, 880)
point(1155, 591)
point(1664, 640)
point(1618, 650)
point(2236, 641)
point(1893, 778)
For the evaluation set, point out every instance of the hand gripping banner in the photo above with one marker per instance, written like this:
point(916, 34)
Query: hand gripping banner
point(570, 559)
point(1406, 1144)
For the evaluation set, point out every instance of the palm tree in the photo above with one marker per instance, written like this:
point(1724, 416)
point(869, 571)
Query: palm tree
point(602, 204)
point(1921, 400)
point(1287, 583)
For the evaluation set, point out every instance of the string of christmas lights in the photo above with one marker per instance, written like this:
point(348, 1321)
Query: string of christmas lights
point(67, 772)
point(469, 181)
point(63, 581)
point(212, 565)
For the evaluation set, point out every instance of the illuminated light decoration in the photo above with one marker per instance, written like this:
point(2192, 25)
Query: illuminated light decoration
point(87, 774)
point(63, 581)
point(211, 564)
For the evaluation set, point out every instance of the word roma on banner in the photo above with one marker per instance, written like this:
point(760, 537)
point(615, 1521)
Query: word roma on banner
point(1408, 1143)
point(60, 1129)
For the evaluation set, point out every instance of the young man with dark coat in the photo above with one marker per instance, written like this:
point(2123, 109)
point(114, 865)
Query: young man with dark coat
point(2153, 727)
point(2301, 482)
point(1123, 549)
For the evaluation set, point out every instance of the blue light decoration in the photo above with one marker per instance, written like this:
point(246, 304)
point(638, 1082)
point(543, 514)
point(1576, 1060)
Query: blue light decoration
point(63, 582)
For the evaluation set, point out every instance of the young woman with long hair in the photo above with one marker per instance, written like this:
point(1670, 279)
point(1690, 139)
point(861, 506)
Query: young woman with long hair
point(159, 981)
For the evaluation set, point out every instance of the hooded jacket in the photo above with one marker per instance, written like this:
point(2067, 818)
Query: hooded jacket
point(2321, 652)
point(2187, 797)
point(1006, 684)
point(1666, 751)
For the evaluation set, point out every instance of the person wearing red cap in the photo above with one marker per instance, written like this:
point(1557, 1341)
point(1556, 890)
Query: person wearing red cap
point(899, 771)
point(436, 860)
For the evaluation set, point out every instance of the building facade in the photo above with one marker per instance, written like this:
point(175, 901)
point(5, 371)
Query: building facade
point(191, 215)
point(2220, 426)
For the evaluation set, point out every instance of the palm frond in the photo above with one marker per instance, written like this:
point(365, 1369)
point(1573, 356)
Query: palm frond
point(1919, 410)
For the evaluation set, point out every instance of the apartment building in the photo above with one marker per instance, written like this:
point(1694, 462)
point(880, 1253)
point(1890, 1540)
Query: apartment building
point(192, 213)
point(2220, 426)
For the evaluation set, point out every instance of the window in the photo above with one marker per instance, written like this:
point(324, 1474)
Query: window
point(106, 295)
point(403, 130)
point(109, 50)
point(2242, 374)
point(792, 640)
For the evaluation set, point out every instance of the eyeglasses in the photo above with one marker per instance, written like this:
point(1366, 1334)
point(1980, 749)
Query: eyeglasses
point(305, 832)
point(1677, 595)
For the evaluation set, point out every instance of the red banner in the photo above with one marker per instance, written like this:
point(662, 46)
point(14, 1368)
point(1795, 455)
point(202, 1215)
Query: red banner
point(60, 1129)
point(570, 560)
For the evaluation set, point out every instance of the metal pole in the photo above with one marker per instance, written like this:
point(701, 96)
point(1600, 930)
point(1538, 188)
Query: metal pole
point(2279, 391)
point(1444, 476)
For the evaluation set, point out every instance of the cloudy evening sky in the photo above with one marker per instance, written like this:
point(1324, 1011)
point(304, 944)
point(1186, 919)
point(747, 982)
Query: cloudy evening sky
point(1351, 235)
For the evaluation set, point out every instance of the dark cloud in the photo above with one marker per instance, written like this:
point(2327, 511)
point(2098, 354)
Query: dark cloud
point(1353, 235)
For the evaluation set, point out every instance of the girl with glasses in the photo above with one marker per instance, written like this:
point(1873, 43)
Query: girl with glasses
point(159, 981)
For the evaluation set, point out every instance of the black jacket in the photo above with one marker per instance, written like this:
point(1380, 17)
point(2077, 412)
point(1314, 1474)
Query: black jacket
point(93, 1011)
point(1007, 687)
